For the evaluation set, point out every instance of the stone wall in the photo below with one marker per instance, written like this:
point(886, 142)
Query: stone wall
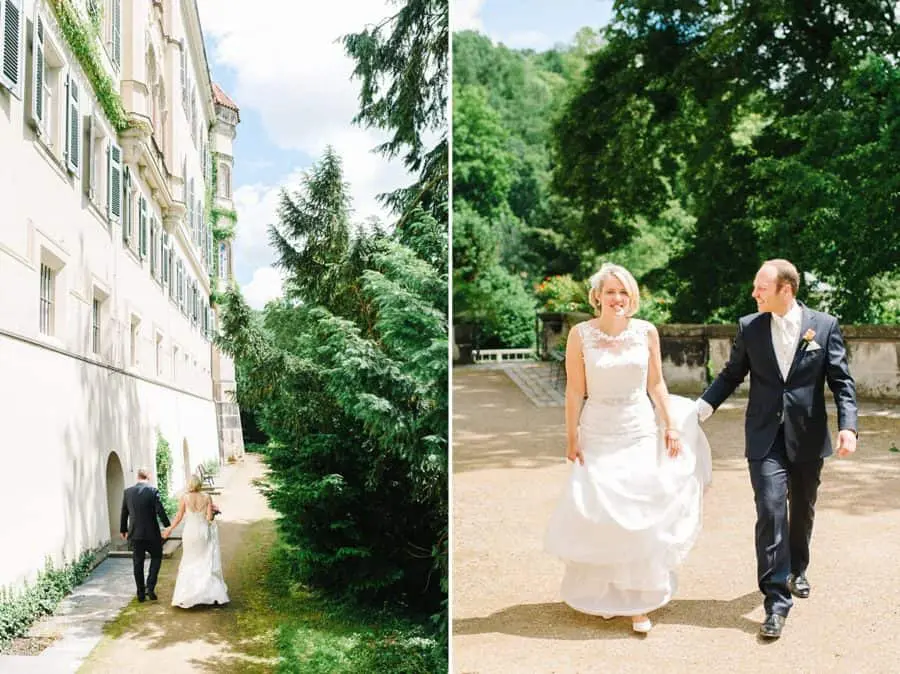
point(693, 353)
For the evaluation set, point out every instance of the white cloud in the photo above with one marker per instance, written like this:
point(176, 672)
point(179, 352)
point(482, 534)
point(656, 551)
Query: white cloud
point(264, 286)
point(466, 15)
point(290, 67)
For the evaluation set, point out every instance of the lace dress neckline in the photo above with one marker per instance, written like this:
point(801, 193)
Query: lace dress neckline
point(629, 329)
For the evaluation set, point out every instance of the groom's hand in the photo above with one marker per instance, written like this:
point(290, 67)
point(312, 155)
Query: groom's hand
point(846, 443)
point(124, 536)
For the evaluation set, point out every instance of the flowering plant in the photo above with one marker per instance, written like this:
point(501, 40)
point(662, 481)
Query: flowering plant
point(562, 293)
point(809, 335)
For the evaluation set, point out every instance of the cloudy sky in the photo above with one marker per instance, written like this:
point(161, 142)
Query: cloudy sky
point(284, 67)
point(534, 24)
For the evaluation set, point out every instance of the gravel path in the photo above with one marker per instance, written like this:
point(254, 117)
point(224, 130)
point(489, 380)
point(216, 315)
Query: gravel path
point(155, 637)
point(507, 615)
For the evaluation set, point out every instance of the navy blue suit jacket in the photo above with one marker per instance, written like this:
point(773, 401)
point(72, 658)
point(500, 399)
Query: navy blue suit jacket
point(141, 506)
point(797, 401)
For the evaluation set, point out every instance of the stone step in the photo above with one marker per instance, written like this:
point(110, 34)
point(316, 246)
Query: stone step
point(170, 547)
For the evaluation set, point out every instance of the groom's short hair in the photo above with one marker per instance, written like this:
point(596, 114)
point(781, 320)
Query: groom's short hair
point(143, 474)
point(785, 273)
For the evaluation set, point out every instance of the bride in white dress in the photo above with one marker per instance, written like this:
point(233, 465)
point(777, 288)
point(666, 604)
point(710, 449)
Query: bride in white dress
point(632, 506)
point(200, 579)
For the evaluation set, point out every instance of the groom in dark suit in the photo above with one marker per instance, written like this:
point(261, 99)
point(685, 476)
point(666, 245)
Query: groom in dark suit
point(141, 506)
point(791, 352)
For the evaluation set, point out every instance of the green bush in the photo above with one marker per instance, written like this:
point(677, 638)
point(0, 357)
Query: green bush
point(255, 448)
point(164, 474)
point(655, 306)
point(19, 610)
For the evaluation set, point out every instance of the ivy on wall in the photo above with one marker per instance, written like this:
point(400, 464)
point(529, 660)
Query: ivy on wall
point(164, 473)
point(81, 38)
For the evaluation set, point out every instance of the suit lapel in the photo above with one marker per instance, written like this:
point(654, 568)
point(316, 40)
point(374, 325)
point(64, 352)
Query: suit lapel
point(767, 326)
point(806, 323)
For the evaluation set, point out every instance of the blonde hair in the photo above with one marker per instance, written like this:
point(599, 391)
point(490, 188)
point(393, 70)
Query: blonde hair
point(625, 278)
point(194, 484)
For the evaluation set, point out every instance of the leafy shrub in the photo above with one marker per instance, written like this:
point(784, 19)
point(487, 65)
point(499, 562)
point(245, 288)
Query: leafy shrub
point(19, 610)
point(164, 474)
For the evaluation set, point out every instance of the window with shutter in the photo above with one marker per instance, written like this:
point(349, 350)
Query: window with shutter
point(184, 83)
point(126, 205)
point(87, 181)
point(12, 59)
point(142, 227)
point(114, 184)
point(179, 283)
point(39, 73)
point(116, 32)
point(154, 243)
point(164, 258)
point(191, 206)
point(73, 128)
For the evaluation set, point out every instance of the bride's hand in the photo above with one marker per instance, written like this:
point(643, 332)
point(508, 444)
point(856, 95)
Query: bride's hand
point(673, 442)
point(574, 454)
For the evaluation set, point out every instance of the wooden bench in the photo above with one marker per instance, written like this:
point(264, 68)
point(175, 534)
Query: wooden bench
point(206, 477)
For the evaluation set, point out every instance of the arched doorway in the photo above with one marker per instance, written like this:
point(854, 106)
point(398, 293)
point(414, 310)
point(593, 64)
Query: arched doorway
point(186, 458)
point(115, 489)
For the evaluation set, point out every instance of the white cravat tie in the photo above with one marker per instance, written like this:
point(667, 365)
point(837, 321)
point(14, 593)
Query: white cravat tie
point(784, 337)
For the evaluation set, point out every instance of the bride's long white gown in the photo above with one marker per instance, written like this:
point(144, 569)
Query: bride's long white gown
point(630, 514)
point(200, 579)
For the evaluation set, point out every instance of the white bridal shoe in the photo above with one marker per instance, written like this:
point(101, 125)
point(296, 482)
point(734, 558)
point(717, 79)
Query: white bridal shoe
point(642, 627)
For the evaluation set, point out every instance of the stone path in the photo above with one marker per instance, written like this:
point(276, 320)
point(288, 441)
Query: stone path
point(80, 618)
point(509, 468)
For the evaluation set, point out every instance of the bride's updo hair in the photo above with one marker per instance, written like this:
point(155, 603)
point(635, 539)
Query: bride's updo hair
point(194, 484)
point(595, 296)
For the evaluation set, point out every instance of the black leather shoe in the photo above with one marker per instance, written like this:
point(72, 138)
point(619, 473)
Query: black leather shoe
point(152, 595)
point(771, 627)
point(799, 586)
point(140, 597)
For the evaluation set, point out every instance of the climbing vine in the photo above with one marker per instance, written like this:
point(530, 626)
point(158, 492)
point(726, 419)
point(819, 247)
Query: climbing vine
point(164, 473)
point(222, 221)
point(82, 40)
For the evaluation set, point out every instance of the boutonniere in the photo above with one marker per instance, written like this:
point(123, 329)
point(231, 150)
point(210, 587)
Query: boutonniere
point(808, 340)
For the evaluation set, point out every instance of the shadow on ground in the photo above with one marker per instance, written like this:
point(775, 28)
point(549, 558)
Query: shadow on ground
point(555, 620)
point(236, 637)
point(495, 426)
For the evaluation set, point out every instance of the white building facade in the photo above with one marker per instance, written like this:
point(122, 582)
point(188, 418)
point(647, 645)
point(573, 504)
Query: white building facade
point(110, 128)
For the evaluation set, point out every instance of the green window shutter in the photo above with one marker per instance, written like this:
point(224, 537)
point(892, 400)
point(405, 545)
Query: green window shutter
point(12, 59)
point(116, 32)
point(114, 193)
point(142, 227)
point(73, 126)
point(37, 60)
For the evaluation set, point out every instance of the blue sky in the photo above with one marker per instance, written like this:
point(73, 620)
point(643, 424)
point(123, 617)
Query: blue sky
point(535, 24)
point(291, 80)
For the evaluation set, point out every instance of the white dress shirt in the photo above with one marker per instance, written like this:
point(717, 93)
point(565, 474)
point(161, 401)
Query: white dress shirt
point(785, 337)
